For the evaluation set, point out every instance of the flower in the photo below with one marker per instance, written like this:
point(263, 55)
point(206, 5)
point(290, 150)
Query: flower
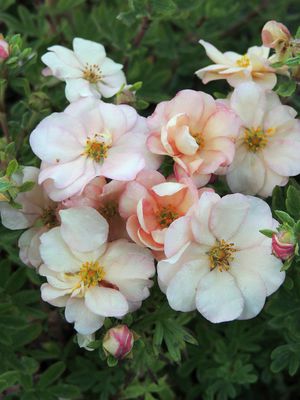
point(268, 146)
point(93, 279)
point(283, 244)
point(89, 139)
point(151, 210)
point(217, 260)
point(237, 68)
point(118, 341)
point(4, 49)
point(196, 131)
point(86, 70)
point(38, 213)
point(276, 36)
point(104, 197)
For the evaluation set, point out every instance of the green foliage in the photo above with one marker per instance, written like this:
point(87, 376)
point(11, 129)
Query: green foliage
point(178, 355)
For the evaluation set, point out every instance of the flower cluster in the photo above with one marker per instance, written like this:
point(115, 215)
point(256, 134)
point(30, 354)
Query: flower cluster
point(101, 212)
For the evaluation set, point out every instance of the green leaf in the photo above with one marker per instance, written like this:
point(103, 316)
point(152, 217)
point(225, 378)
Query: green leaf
point(297, 36)
point(287, 264)
point(285, 218)
point(4, 184)
point(27, 186)
point(112, 361)
point(51, 374)
point(287, 88)
point(12, 167)
point(65, 391)
point(293, 202)
point(267, 232)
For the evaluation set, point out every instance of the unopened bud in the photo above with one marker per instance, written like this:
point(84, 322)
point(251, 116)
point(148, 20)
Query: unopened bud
point(283, 245)
point(118, 341)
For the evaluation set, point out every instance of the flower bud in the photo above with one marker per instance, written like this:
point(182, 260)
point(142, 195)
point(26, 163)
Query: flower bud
point(118, 341)
point(4, 49)
point(283, 245)
point(276, 36)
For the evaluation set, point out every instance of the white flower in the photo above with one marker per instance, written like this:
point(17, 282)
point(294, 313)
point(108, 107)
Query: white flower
point(86, 70)
point(268, 147)
point(38, 213)
point(237, 68)
point(93, 279)
point(218, 261)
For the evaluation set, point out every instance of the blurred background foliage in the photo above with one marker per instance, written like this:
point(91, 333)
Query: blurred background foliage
point(178, 356)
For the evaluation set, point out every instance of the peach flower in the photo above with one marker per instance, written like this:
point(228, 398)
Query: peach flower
point(196, 131)
point(151, 210)
point(276, 36)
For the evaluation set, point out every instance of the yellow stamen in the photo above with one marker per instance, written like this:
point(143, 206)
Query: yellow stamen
point(221, 255)
point(92, 73)
point(166, 215)
point(97, 150)
point(256, 139)
point(91, 273)
point(244, 61)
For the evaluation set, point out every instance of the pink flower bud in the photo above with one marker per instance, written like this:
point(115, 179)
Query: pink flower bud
point(283, 246)
point(118, 341)
point(4, 49)
point(275, 35)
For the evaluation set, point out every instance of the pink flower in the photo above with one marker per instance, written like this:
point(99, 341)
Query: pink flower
point(276, 36)
point(152, 209)
point(38, 213)
point(196, 131)
point(118, 341)
point(283, 245)
point(4, 49)
point(90, 139)
point(92, 278)
point(218, 262)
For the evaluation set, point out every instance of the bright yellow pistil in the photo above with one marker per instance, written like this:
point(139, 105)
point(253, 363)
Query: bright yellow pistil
point(244, 61)
point(166, 215)
point(96, 148)
point(221, 255)
point(91, 273)
point(92, 73)
point(256, 139)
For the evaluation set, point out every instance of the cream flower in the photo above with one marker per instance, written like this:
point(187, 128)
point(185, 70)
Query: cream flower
point(38, 213)
point(86, 70)
point(93, 279)
point(196, 131)
point(237, 68)
point(89, 139)
point(268, 147)
point(218, 261)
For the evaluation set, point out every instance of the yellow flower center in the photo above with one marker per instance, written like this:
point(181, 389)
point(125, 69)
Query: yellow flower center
point(244, 61)
point(91, 273)
point(256, 138)
point(166, 215)
point(221, 255)
point(92, 73)
point(109, 210)
point(95, 149)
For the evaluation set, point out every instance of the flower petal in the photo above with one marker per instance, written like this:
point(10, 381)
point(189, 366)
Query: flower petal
point(106, 302)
